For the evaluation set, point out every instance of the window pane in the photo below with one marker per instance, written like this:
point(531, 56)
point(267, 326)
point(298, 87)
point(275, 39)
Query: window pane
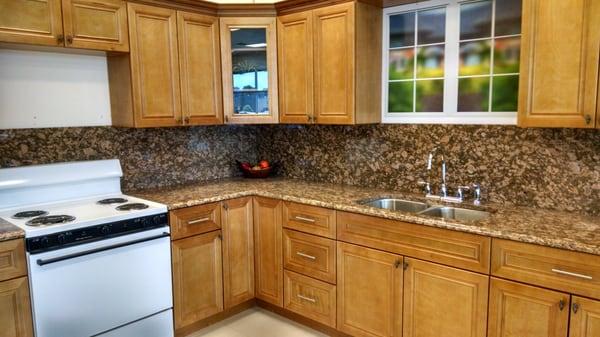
point(402, 30)
point(402, 64)
point(507, 52)
point(430, 96)
point(474, 58)
point(430, 61)
point(432, 26)
point(508, 17)
point(505, 93)
point(250, 73)
point(400, 96)
point(473, 94)
point(476, 20)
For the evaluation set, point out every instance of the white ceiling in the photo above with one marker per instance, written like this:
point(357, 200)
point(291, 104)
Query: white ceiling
point(245, 1)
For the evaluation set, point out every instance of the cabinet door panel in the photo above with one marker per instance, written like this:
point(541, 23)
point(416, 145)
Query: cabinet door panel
point(334, 64)
point(238, 251)
point(15, 308)
point(31, 21)
point(369, 292)
point(268, 256)
point(96, 24)
point(154, 66)
point(200, 68)
point(197, 278)
point(443, 301)
point(585, 318)
point(295, 48)
point(520, 310)
point(559, 63)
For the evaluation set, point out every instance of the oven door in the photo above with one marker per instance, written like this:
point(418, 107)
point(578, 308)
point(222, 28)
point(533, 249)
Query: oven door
point(96, 287)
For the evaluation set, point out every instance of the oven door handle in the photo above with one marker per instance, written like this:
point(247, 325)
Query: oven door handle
point(42, 262)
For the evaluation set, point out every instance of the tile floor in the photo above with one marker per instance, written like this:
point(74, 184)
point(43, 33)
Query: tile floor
point(257, 322)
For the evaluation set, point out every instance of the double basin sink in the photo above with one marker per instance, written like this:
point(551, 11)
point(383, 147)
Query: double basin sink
point(444, 212)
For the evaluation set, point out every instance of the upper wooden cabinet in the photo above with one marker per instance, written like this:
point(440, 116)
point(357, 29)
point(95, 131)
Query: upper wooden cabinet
point(249, 66)
point(32, 22)
point(330, 65)
point(559, 63)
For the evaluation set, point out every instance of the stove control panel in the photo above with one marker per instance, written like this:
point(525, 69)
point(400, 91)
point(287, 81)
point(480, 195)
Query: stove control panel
point(94, 233)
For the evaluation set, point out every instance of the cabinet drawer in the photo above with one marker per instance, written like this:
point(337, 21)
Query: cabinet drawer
point(456, 249)
point(573, 272)
point(195, 220)
point(310, 298)
point(12, 259)
point(310, 219)
point(309, 255)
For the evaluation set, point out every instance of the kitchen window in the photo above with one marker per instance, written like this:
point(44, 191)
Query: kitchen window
point(451, 62)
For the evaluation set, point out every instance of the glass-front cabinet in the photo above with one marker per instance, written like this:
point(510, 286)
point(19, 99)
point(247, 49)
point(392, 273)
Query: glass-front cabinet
point(249, 61)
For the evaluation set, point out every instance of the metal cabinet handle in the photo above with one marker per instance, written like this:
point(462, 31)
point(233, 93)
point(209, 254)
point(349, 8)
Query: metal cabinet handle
point(312, 300)
point(191, 222)
point(310, 257)
point(301, 218)
point(561, 305)
point(575, 308)
point(568, 273)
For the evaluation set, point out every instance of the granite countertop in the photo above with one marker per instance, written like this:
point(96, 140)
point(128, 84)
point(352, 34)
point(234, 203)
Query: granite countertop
point(9, 231)
point(570, 231)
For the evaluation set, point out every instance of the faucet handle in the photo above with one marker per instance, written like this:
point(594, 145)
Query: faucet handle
point(426, 186)
point(476, 194)
point(460, 191)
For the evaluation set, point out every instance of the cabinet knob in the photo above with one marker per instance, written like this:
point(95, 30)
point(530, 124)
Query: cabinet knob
point(60, 39)
point(69, 39)
point(588, 119)
point(575, 308)
point(187, 120)
point(561, 305)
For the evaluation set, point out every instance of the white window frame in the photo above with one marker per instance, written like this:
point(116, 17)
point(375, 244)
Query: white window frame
point(450, 115)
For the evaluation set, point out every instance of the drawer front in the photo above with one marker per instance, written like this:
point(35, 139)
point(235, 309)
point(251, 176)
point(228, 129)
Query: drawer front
point(309, 255)
point(310, 298)
point(195, 220)
point(452, 248)
point(310, 219)
point(12, 259)
point(573, 272)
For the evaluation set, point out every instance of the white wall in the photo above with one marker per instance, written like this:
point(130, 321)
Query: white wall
point(47, 89)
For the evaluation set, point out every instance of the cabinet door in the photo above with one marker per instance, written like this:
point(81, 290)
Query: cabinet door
point(268, 254)
point(15, 308)
point(559, 63)
point(32, 22)
point(585, 318)
point(520, 310)
point(200, 68)
point(197, 278)
point(238, 251)
point(154, 66)
point(295, 48)
point(369, 292)
point(443, 301)
point(96, 24)
point(334, 64)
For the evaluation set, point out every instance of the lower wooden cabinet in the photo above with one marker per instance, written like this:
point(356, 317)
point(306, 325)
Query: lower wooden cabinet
point(268, 254)
point(197, 278)
point(444, 301)
point(15, 308)
point(238, 251)
point(585, 318)
point(369, 292)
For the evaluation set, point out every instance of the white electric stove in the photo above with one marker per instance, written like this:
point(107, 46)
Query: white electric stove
point(99, 261)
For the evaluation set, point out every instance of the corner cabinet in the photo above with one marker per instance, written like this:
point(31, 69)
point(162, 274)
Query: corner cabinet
point(559, 64)
point(249, 67)
point(329, 65)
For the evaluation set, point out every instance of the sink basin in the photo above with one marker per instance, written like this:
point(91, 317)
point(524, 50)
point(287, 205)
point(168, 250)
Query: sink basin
point(453, 213)
point(396, 205)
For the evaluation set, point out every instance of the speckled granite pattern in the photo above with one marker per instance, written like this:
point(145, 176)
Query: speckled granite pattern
point(564, 230)
point(9, 231)
point(546, 168)
point(149, 157)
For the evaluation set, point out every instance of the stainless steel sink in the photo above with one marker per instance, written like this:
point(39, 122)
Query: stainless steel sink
point(454, 213)
point(396, 205)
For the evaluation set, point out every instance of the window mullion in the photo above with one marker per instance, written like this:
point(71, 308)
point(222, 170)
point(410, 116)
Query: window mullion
point(452, 58)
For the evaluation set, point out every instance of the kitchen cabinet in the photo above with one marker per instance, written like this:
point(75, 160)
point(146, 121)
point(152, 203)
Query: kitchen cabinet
point(369, 291)
point(560, 54)
point(31, 22)
point(249, 67)
point(330, 52)
point(197, 278)
point(309, 219)
point(15, 308)
point(268, 250)
point(309, 255)
point(585, 318)
point(444, 301)
point(310, 298)
point(238, 251)
point(521, 310)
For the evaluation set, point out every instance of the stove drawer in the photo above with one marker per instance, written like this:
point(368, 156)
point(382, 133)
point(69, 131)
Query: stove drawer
point(195, 220)
point(12, 259)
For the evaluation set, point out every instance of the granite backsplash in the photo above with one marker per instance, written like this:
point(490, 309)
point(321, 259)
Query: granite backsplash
point(149, 157)
point(546, 168)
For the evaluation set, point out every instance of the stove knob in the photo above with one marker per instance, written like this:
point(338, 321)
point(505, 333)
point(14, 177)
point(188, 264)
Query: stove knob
point(156, 220)
point(61, 238)
point(45, 241)
point(146, 222)
point(105, 230)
